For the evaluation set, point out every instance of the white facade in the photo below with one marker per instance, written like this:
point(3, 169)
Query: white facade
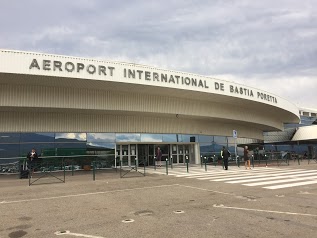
point(52, 93)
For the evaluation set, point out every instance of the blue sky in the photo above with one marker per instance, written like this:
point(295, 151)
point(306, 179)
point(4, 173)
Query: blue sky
point(270, 45)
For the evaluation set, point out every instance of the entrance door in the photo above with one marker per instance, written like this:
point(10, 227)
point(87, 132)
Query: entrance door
point(127, 154)
point(179, 153)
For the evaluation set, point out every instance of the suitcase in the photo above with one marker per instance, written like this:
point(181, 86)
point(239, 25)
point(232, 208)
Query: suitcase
point(24, 172)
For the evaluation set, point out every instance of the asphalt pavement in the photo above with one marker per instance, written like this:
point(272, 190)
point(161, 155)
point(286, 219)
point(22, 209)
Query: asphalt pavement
point(157, 205)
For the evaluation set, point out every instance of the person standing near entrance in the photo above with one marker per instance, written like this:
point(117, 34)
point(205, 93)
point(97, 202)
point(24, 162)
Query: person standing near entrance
point(225, 154)
point(246, 158)
point(32, 157)
point(158, 156)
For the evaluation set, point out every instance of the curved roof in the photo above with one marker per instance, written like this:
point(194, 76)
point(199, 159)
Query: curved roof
point(306, 133)
point(172, 92)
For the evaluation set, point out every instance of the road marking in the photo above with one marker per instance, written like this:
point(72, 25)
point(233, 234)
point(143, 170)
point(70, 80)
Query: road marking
point(307, 175)
point(268, 211)
point(248, 174)
point(208, 190)
point(86, 194)
point(226, 172)
point(255, 177)
point(309, 193)
point(258, 176)
point(280, 181)
point(291, 185)
point(61, 233)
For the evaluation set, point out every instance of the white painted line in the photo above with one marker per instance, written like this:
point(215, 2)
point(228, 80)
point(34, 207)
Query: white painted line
point(87, 194)
point(307, 193)
point(61, 233)
point(244, 175)
point(274, 177)
point(238, 172)
point(268, 211)
point(291, 185)
point(203, 174)
point(208, 190)
point(258, 176)
point(279, 181)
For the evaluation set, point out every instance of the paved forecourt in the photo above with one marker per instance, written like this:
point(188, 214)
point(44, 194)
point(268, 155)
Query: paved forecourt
point(156, 205)
point(265, 177)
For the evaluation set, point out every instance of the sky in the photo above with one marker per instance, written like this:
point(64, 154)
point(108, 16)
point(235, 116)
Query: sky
point(270, 45)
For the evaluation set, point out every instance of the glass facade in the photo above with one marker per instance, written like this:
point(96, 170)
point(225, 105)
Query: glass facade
point(282, 140)
point(63, 144)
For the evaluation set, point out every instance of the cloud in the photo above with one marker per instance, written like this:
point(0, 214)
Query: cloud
point(261, 43)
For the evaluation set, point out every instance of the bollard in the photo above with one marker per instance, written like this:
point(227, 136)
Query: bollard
point(136, 163)
point(214, 160)
point(205, 159)
point(201, 161)
point(238, 161)
point(166, 166)
point(154, 163)
point(171, 162)
point(253, 161)
point(187, 162)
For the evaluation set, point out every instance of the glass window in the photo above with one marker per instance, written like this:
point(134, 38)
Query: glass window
point(133, 150)
point(232, 140)
point(206, 147)
point(68, 149)
point(180, 149)
point(37, 137)
point(151, 137)
point(128, 137)
point(9, 151)
point(174, 149)
point(203, 138)
point(100, 148)
point(217, 148)
point(70, 137)
point(125, 149)
point(101, 137)
point(42, 149)
point(9, 137)
point(189, 138)
point(231, 149)
point(169, 138)
point(118, 150)
point(220, 140)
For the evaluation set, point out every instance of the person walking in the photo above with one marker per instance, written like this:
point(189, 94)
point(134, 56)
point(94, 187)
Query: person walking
point(246, 158)
point(225, 154)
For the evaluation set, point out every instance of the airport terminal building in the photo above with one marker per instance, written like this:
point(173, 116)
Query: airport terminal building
point(64, 105)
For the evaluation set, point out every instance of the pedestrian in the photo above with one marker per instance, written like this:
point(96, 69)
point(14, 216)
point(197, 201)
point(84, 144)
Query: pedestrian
point(32, 157)
point(246, 158)
point(225, 154)
point(158, 156)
